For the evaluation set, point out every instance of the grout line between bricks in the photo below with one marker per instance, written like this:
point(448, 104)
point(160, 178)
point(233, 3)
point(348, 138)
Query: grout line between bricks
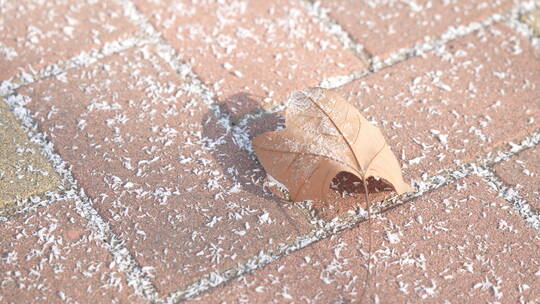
point(325, 229)
point(193, 83)
point(497, 156)
point(507, 192)
point(36, 201)
point(376, 64)
point(335, 29)
point(511, 18)
point(322, 231)
point(138, 278)
point(513, 198)
point(9, 86)
point(521, 27)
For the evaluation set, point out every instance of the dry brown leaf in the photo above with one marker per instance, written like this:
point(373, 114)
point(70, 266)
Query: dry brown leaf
point(324, 136)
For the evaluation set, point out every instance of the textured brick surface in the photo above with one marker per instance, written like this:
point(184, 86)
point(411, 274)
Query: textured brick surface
point(386, 26)
point(466, 98)
point(160, 168)
point(267, 48)
point(185, 196)
point(23, 170)
point(36, 33)
point(48, 256)
point(458, 244)
point(523, 173)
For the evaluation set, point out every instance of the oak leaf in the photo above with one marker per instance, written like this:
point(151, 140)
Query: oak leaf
point(325, 135)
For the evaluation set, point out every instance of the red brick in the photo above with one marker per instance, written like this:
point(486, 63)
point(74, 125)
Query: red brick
point(456, 103)
point(383, 27)
point(523, 173)
point(161, 168)
point(48, 256)
point(265, 50)
point(458, 244)
point(36, 33)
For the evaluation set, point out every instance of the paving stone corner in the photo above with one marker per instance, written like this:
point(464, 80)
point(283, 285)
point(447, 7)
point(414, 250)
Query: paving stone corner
point(532, 19)
point(24, 172)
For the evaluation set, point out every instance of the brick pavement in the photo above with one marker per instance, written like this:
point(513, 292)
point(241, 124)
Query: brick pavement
point(128, 175)
point(423, 254)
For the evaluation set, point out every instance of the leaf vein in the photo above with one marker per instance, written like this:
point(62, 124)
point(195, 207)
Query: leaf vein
point(341, 133)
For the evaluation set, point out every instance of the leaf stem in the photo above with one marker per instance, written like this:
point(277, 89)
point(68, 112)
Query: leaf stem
point(367, 276)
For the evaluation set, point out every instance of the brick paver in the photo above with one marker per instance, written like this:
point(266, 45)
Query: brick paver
point(36, 33)
point(523, 173)
point(384, 27)
point(160, 167)
point(266, 48)
point(48, 256)
point(458, 244)
point(23, 170)
point(462, 100)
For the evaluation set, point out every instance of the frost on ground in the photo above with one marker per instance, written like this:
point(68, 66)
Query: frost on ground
point(225, 50)
point(49, 254)
point(153, 153)
point(172, 172)
point(433, 257)
point(458, 120)
point(55, 24)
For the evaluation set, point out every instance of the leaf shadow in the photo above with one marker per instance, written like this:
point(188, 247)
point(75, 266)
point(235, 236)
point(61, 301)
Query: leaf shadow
point(234, 153)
